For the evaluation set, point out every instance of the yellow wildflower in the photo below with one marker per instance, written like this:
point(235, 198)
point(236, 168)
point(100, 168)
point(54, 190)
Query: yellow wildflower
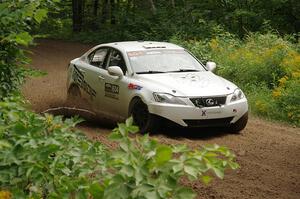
point(248, 55)
point(276, 93)
point(283, 80)
point(214, 44)
point(232, 56)
point(5, 195)
point(49, 119)
point(57, 126)
point(291, 62)
point(261, 106)
point(296, 74)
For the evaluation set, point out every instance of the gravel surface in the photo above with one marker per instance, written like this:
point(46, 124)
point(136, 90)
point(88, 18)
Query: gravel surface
point(269, 153)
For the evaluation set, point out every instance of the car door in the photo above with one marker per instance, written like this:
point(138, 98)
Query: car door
point(93, 69)
point(116, 88)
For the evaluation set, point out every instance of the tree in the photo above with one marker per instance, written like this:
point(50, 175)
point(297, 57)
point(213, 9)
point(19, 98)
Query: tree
point(78, 10)
point(96, 5)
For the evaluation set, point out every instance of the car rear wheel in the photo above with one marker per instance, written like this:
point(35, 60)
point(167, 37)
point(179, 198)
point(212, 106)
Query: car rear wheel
point(146, 121)
point(239, 125)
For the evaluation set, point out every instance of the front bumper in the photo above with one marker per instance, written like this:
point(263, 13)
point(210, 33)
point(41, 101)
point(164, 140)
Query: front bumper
point(190, 115)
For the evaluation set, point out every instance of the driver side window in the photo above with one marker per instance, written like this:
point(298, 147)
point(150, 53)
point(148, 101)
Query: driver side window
point(97, 57)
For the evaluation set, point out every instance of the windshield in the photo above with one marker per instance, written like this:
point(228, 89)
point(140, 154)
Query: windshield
point(163, 61)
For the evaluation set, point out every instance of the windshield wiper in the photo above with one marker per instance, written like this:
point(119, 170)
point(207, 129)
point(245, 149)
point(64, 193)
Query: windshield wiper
point(183, 70)
point(150, 72)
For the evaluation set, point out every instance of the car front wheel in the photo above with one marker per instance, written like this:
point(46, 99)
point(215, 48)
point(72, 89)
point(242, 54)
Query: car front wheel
point(146, 121)
point(240, 124)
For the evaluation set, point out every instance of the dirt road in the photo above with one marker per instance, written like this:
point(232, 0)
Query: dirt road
point(269, 153)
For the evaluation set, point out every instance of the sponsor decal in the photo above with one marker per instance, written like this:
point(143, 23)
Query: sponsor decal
point(132, 54)
point(153, 52)
point(111, 90)
point(132, 86)
point(213, 111)
point(203, 113)
point(78, 78)
point(135, 53)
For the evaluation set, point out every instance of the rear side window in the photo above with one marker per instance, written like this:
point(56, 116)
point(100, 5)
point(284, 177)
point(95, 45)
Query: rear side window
point(97, 57)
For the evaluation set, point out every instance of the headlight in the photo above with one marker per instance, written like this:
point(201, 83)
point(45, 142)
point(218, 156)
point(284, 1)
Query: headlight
point(167, 98)
point(237, 95)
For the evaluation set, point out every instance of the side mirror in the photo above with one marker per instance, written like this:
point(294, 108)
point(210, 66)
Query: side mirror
point(211, 66)
point(115, 71)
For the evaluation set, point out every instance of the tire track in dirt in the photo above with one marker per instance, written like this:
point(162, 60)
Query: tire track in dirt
point(269, 153)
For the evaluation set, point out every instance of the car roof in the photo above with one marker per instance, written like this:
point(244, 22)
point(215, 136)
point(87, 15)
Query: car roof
point(142, 45)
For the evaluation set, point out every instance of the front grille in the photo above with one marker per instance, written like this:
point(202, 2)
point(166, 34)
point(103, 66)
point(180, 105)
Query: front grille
point(209, 122)
point(208, 101)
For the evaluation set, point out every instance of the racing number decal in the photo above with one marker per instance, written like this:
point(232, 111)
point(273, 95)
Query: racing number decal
point(78, 78)
point(111, 90)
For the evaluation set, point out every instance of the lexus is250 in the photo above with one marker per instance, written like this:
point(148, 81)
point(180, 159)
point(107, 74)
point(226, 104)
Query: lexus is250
point(154, 80)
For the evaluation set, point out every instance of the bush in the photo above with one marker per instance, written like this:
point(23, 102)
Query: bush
point(147, 169)
point(44, 156)
point(255, 61)
point(16, 19)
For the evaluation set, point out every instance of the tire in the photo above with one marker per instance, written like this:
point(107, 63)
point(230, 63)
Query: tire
point(146, 121)
point(239, 125)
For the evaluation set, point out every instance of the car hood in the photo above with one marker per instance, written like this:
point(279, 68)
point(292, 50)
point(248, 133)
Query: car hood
point(188, 83)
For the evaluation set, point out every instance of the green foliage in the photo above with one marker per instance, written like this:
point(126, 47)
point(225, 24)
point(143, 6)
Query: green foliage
point(59, 20)
point(16, 19)
point(144, 168)
point(44, 156)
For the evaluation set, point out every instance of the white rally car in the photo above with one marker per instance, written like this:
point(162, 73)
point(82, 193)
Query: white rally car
point(154, 80)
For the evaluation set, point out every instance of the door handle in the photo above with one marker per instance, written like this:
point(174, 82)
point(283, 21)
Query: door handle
point(81, 70)
point(101, 78)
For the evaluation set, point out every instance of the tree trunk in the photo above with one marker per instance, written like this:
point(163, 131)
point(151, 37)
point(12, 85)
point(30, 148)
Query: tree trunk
point(104, 11)
point(96, 5)
point(112, 12)
point(173, 3)
point(77, 8)
point(153, 8)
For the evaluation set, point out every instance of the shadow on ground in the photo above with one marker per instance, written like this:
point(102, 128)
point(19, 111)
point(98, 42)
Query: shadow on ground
point(168, 129)
point(203, 133)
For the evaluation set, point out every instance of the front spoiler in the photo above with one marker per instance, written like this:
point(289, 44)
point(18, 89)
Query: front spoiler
point(185, 115)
